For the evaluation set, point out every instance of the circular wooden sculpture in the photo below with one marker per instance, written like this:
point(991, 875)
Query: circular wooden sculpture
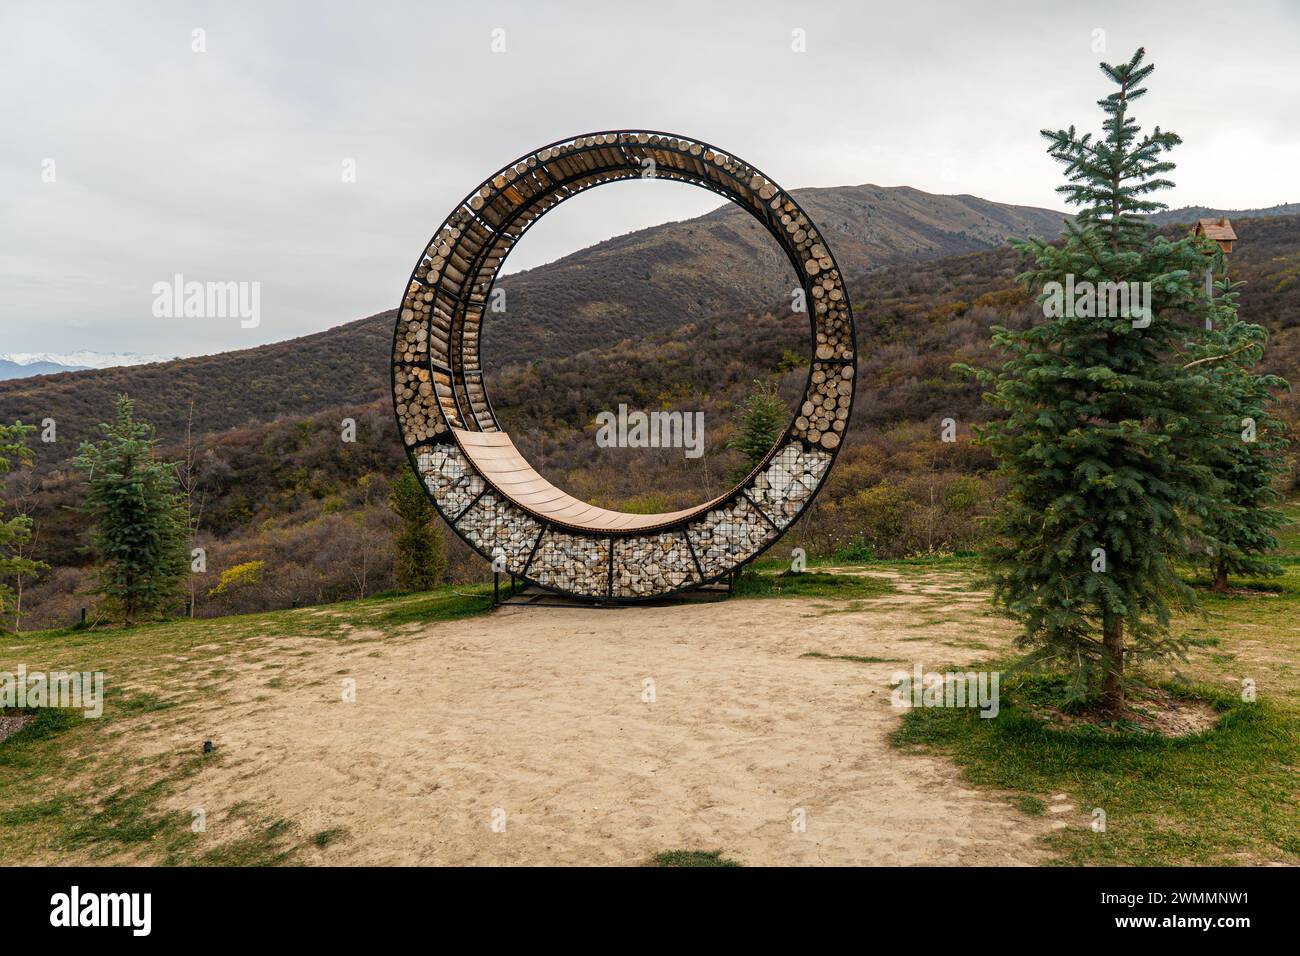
point(474, 474)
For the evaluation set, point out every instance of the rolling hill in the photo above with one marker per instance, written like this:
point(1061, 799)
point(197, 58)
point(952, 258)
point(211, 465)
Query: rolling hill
point(10, 370)
point(628, 287)
point(287, 492)
point(724, 261)
point(27, 364)
point(1189, 214)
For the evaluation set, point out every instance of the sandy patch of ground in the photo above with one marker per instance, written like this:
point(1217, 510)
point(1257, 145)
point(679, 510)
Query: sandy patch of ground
point(536, 716)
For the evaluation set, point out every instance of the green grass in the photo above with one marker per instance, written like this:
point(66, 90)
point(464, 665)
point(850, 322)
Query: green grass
point(1030, 805)
point(958, 561)
point(691, 858)
point(266, 841)
point(47, 723)
point(854, 658)
point(1288, 536)
point(465, 601)
point(818, 584)
point(62, 790)
point(859, 553)
point(1223, 796)
point(863, 557)
point(113, 808)
point(324, 838)
point(116, 808)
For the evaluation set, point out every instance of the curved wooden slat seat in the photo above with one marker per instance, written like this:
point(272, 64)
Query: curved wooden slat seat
point(498, 460)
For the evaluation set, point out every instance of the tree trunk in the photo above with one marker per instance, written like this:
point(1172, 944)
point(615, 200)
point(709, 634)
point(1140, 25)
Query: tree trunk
point(1112, 684)
point(1221, 577)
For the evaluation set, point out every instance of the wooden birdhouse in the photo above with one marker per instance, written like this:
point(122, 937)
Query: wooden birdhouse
point(1218, 229)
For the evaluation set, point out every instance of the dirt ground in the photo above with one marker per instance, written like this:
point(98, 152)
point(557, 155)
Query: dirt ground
point(538, 719)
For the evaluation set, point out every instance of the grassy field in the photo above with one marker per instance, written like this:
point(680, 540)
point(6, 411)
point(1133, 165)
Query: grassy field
point(61, 792)
point(1228, 795)
point(811, 584)
point(1224, 796)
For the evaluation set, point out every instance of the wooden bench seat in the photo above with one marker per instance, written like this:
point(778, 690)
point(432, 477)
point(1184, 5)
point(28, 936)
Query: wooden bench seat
point(500, 463)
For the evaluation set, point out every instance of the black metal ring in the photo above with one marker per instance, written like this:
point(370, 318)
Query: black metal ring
point(495, 210)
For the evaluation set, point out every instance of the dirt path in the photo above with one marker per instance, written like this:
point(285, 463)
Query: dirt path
point(537, 717)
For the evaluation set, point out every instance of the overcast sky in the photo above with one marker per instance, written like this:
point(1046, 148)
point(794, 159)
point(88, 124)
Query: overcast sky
point(228, 164)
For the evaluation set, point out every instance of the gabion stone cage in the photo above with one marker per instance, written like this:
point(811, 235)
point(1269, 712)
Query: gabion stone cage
point(483, 486)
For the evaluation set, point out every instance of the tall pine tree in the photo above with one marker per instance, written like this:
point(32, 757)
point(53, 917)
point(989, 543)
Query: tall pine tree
point(1101, 444)
point(140, 521)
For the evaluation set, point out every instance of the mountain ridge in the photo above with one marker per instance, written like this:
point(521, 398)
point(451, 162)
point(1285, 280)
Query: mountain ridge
point(11, 370)
point(286, 491)
point(1189, 214)
point(29, 364)
point(622, 288)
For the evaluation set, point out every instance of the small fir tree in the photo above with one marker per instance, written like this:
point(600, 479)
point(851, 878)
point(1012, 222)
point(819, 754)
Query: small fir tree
point(761, 420)
point(421, 558)
point(140, 522)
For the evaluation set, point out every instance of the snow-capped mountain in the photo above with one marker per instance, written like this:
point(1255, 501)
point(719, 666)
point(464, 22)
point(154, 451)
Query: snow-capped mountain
point(26, 364)
point(82, 359)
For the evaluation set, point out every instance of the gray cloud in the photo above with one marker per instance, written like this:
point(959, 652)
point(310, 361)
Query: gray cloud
point(226, 165)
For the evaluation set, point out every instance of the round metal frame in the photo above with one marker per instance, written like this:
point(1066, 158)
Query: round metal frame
point(441, 400)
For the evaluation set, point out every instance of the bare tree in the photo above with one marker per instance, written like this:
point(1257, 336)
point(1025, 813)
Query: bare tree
point(195, 498)
point(24, 549)
point(366, 542)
